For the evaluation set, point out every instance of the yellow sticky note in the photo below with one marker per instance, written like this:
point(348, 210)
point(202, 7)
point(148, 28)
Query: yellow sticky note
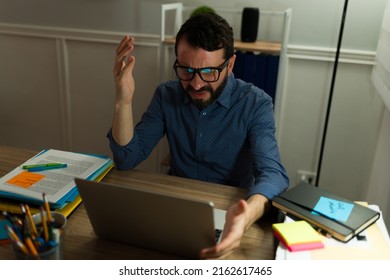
point(25, 179)
point(297, 232)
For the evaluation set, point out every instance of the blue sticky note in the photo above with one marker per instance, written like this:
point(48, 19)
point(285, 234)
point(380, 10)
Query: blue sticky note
point(334, 209)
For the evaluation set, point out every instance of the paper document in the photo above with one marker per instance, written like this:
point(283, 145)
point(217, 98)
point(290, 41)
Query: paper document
point(57, 184)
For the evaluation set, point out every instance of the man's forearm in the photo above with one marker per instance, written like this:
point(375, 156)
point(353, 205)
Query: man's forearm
point(123, 125)
point(258, 205)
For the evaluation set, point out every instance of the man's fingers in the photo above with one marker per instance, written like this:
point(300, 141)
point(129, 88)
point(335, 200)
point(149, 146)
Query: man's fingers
point(123, 54)
point(129, 65)
point(126, 41)
point(124, 68)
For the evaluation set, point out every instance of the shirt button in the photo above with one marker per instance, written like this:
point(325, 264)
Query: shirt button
point(204, 113)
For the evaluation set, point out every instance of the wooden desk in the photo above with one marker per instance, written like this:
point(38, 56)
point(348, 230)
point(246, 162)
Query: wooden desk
point(80, 241)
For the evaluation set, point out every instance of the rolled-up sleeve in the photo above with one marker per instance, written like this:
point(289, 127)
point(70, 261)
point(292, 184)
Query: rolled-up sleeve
point(270, 176)
point(125, 157)
point(147, 133)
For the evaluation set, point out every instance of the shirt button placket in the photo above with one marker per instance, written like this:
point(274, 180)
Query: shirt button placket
point(200, 144)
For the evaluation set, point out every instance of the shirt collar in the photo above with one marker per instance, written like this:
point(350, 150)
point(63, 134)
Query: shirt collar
point(226, 95)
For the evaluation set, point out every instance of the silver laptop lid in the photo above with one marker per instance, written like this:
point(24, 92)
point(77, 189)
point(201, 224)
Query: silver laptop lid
point(149, 219)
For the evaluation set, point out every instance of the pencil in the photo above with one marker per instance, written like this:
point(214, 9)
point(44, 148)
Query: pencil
point(30, 245)
point(22, 247)
point(47, 207)
point(18, 223)
point(14, 237)
point(11, 233)
point(44, 225)
point(34, 231)
point(23, 209)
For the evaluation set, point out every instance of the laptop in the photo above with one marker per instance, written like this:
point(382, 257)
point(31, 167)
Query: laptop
point(151, 219)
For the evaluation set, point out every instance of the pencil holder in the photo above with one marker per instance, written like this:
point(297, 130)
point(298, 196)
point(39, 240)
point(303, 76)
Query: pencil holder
point(45, 240)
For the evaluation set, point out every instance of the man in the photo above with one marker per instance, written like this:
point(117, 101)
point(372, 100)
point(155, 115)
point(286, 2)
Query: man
point(220, 129)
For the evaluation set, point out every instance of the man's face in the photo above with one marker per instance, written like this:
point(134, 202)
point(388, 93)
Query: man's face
point(203, 93)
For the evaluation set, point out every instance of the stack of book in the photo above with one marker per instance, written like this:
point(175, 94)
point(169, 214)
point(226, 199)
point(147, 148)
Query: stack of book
point(298, 236)
point(51, 172)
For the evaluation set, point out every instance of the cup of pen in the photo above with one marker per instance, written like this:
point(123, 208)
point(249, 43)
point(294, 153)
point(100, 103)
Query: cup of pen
point(44, 238)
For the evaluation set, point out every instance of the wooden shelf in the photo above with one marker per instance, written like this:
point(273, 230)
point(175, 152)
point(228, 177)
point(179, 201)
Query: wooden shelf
point(258, 46)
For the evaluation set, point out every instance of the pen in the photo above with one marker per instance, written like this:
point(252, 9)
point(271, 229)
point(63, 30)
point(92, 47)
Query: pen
point(42, 167)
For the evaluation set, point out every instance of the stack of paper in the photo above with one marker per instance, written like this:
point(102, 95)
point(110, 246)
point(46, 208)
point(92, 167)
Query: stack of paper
point(23, 186)
point(298, 236)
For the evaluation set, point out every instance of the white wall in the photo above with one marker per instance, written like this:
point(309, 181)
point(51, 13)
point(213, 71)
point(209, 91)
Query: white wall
point(57, 90)
point(379, 190)
point(315, 22)
point(56, 87)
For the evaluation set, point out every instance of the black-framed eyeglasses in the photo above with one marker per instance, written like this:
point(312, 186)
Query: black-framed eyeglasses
point(207, 74)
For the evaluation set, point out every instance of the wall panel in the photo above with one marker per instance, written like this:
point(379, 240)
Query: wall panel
point(353, 125)
point(57, 88)
point(30, 109)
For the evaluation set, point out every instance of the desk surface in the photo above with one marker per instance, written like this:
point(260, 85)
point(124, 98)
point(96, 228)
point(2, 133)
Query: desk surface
point(80, 242)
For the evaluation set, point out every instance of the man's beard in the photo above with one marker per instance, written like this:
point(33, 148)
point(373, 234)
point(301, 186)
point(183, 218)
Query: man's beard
point(214, 94)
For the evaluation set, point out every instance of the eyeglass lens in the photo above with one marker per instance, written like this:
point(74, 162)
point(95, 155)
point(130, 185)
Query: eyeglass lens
point(207, 74)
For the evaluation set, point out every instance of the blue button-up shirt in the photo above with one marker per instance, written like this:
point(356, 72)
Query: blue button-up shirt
point(231, 142)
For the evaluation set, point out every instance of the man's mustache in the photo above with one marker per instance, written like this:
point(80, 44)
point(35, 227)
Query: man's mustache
point(205, 88)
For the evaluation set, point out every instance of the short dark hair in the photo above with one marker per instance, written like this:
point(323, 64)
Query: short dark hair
point(208, 31)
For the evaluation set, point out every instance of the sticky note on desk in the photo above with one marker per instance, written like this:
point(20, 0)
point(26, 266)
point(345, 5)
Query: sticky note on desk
point(297, 232)
point(334, 209)
point(25, 179)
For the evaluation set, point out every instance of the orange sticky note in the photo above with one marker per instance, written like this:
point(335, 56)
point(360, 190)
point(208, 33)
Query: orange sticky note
point(25, 179)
